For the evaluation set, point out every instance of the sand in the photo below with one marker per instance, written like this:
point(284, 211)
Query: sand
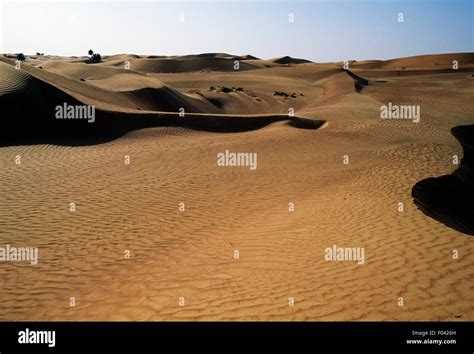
point(127, 252)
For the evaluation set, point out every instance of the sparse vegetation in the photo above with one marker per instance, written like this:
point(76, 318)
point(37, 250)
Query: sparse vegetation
point(280, 93)
point(20, 57)
point(286, 95)
point(224, 89)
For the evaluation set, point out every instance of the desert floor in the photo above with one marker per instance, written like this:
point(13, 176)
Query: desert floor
point(182, 264)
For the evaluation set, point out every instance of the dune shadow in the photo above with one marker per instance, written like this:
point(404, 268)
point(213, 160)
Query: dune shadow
point(31, 125)
point(359, 81)
point(450, 199)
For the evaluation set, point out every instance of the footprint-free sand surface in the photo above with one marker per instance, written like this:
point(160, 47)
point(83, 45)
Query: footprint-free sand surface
point(130, 252)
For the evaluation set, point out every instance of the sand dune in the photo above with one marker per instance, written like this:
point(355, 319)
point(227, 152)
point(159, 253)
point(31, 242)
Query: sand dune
point(191, 253)
point(13, 81)
point(438, 61)
point(290, 60)
point(83, 71)
point(156, 106)
point(28, 105)
point(182, 65)
point(105, 99)
point(450, 198)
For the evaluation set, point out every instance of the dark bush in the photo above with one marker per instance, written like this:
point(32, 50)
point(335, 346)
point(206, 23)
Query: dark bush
point(94, 57)
point(224, 89)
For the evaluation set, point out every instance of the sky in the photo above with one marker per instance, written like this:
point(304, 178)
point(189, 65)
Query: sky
point(321, 31)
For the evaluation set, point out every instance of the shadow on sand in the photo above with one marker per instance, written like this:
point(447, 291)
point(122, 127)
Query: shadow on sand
point(29, 120)
point(450, 199)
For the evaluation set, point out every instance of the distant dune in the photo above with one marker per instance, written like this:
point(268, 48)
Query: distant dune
point(188, 65)
point(290, 60)
point(437, 61)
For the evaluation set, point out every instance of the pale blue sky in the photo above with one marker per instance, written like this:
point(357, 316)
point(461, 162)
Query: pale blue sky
point(321, 31)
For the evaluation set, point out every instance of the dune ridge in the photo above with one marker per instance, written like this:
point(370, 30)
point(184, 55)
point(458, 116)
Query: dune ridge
point(438, 61)
point(158, 107)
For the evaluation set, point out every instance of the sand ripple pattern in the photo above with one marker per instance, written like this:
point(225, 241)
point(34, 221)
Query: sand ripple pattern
point(190, 254)
point(12, 80)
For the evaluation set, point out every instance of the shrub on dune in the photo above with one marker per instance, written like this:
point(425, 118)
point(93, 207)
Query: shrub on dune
point(94, 57)
point(224, 89)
